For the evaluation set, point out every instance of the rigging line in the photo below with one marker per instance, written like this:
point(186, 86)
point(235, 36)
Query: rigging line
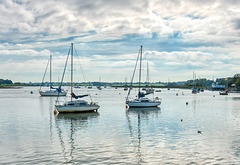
point(64, 72)
point(130, 88)
point(83, 73)
point(140, 72)
point(81, 68)
point(44, 75)
point(145, 62)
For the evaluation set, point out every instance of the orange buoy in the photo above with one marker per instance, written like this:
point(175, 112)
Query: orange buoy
point(55, 112)
point(126, 106)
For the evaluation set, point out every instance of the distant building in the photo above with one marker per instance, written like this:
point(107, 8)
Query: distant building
point(217, 87)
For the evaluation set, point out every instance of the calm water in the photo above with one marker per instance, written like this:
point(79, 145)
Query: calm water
point(31, 134)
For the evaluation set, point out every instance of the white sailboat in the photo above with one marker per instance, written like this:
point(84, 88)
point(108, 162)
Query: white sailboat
point(194, 89)
point(52, 91)
point(150, 89)
point(99, 85)
point(140, 101)
point(75, 105)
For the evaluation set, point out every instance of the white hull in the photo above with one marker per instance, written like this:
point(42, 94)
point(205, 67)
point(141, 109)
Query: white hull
point(143, 102)
point(52, 93)
point(67, 109)
point(76, 106)
point(139, 104)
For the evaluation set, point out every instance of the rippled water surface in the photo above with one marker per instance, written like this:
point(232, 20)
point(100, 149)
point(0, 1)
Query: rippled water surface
point(31, 134)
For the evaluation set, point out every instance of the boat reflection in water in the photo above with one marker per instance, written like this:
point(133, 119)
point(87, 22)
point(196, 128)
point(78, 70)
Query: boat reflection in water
point(146, 110)
point(68, 125)
point(78, 116)
point(138, 115)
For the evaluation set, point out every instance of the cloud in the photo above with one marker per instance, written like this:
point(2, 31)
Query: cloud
point(25, 52)
point(177, 36)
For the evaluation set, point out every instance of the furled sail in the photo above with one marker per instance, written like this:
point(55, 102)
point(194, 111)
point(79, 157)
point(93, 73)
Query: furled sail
point(76, 97)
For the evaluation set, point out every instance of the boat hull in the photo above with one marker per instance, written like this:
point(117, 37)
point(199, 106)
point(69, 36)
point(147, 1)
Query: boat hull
point(69, 108)
point(53, 93)
point(134, 104)
point(223, 93)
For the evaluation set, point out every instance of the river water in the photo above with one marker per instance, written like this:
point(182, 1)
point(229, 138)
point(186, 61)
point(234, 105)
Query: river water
point(30, 133)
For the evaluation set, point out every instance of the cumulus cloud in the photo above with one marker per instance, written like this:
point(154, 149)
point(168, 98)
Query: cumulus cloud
point(25, 52)
point(176, 35)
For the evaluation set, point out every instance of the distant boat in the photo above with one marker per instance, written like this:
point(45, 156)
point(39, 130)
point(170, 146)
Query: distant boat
point(194, 90)
point(224, 93)
point(75, 105)
point(149, 90)
point(57, 91)
point(141, 101)
point(99, 86)
point(77, 87)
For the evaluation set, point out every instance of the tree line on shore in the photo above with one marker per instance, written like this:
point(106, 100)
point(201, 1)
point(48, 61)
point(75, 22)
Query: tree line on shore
point(2, 81)
point(200, 83)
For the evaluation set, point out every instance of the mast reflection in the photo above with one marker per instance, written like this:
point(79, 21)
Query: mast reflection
point(140, 113)
point(75, 121)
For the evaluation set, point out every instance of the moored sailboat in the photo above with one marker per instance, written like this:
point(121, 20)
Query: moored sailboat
point(149, 89)
point(141, 100)
point(52, 91)
point(75, 105)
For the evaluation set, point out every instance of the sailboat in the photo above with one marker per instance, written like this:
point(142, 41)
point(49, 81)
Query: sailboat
point(99, 85)
point(194, 89)
point(140, 101)
point(148, 90)
point(50, 92)
point(75, 105)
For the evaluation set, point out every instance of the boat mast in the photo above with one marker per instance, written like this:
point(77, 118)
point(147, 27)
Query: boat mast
point(50, 72)
point(140, 72)
point(71, 69)
point(193, 80)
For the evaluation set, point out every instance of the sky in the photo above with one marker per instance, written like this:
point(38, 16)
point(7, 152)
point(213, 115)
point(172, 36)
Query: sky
point(178, 37)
